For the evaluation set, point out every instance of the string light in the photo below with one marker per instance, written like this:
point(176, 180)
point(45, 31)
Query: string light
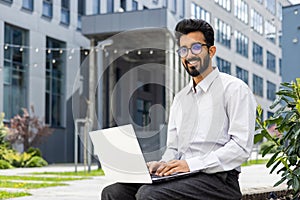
point(71, 50)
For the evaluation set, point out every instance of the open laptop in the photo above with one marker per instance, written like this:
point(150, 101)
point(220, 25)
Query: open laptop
point(121, 157)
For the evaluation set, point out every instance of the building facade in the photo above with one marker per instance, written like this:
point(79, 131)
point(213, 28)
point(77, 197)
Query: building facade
point(290, 43)
point(49, 47)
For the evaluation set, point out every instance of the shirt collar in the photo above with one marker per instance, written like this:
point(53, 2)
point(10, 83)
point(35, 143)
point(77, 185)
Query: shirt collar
point(206, 82)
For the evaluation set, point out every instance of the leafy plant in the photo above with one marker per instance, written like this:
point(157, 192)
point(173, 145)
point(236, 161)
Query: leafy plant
point(27, 129)
point(287, 143)
point(5, 165)
point(3, 130)
point(36, 161)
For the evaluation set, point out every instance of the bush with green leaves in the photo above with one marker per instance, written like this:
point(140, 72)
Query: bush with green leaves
point(10, 158)
point(286, 159)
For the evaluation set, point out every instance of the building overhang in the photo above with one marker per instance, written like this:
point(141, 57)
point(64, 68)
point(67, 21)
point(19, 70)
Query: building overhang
point(131, 30)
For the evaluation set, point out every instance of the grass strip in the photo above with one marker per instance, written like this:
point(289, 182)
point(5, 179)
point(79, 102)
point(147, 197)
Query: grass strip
point(26, 185)
point(255, 162)
point(37, 178)
point(8, 195)
point(98, 172)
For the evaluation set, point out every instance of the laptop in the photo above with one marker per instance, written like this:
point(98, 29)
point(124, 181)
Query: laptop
point(121, 157)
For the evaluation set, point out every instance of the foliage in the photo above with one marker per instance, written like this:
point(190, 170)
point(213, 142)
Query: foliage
point(3, 130)
point(266, 145)
point(287, 143)
point(16, 159)
point(34, 151)
point(5, 165)
point(27, 129)
point(36, 161)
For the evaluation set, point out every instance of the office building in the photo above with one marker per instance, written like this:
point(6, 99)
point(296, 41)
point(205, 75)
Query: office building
point(49, 47)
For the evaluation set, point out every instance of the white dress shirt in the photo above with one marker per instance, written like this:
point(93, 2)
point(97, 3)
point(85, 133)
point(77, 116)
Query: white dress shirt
point(212, 126)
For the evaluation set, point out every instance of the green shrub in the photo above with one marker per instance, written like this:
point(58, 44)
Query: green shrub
point(266, 145)
point(36, 161)
point(5, 165)
point(34, 151)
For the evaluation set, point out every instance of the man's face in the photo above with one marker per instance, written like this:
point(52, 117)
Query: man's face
point(195, 64)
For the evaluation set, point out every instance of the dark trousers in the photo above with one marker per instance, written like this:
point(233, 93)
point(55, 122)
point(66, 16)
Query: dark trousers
point(202, 186)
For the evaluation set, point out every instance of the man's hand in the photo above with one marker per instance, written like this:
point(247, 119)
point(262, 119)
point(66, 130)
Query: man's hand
point(154, 165)
point(171, 167)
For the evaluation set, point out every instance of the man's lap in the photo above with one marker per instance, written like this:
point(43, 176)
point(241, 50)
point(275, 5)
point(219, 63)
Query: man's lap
point(200, 186)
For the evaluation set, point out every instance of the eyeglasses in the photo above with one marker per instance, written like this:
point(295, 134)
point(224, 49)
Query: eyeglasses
point(195, 49)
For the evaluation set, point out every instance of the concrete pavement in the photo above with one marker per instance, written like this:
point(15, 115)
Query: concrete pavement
point(253, 179)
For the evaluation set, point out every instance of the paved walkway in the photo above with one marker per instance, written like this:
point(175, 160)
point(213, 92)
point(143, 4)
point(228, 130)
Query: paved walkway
point(255, 178)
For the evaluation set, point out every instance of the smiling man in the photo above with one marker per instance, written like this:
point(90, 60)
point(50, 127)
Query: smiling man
point(210, 129)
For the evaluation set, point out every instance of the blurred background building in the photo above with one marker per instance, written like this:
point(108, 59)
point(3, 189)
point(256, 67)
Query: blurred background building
point(53, 52)
point(290, 43)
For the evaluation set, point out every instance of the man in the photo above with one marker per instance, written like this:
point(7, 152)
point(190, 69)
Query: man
point(211, 128)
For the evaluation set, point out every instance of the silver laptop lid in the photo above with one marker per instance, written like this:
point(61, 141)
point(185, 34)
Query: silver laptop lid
point(120, 154)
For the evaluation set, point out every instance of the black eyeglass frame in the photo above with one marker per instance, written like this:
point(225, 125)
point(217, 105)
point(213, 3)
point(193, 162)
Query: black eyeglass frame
point(178, 50)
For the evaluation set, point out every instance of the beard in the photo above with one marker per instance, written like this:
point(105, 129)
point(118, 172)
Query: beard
point(197, 70)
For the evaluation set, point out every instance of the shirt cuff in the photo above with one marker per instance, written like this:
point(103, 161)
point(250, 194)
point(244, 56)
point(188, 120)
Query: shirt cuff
point(202, 163)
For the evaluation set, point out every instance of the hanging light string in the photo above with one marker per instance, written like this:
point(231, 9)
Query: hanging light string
point(71, 51)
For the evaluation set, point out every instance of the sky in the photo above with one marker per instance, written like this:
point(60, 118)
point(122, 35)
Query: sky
point(295, 1)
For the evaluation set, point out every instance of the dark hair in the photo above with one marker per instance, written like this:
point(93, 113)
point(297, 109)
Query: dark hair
point(186, 26)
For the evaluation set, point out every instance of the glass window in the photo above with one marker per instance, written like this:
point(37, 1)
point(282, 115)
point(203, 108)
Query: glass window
point(96, 6)
point(270, 5)
point(15, 71)
point(257, 54)
point(256, 21)
point(182, 8)
point(224, 65)
point(55, 78)
point(279, 11)
point(241, 43)
point(241, 10)
point(226, 4)
point(271, 91)
point(28, 4)
point(242, 74)
point(223, 33)
point(81, 11)
point(7, 1)
point(134, 5)
point(258, 85)
point(280, 66)
point(65, 12)
point(123, 5)
point(270, 31)
point(142, 117)
point(110, 6)
point(271, 61)
point(173, 6)
point(47, 8)
point(198, 12)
